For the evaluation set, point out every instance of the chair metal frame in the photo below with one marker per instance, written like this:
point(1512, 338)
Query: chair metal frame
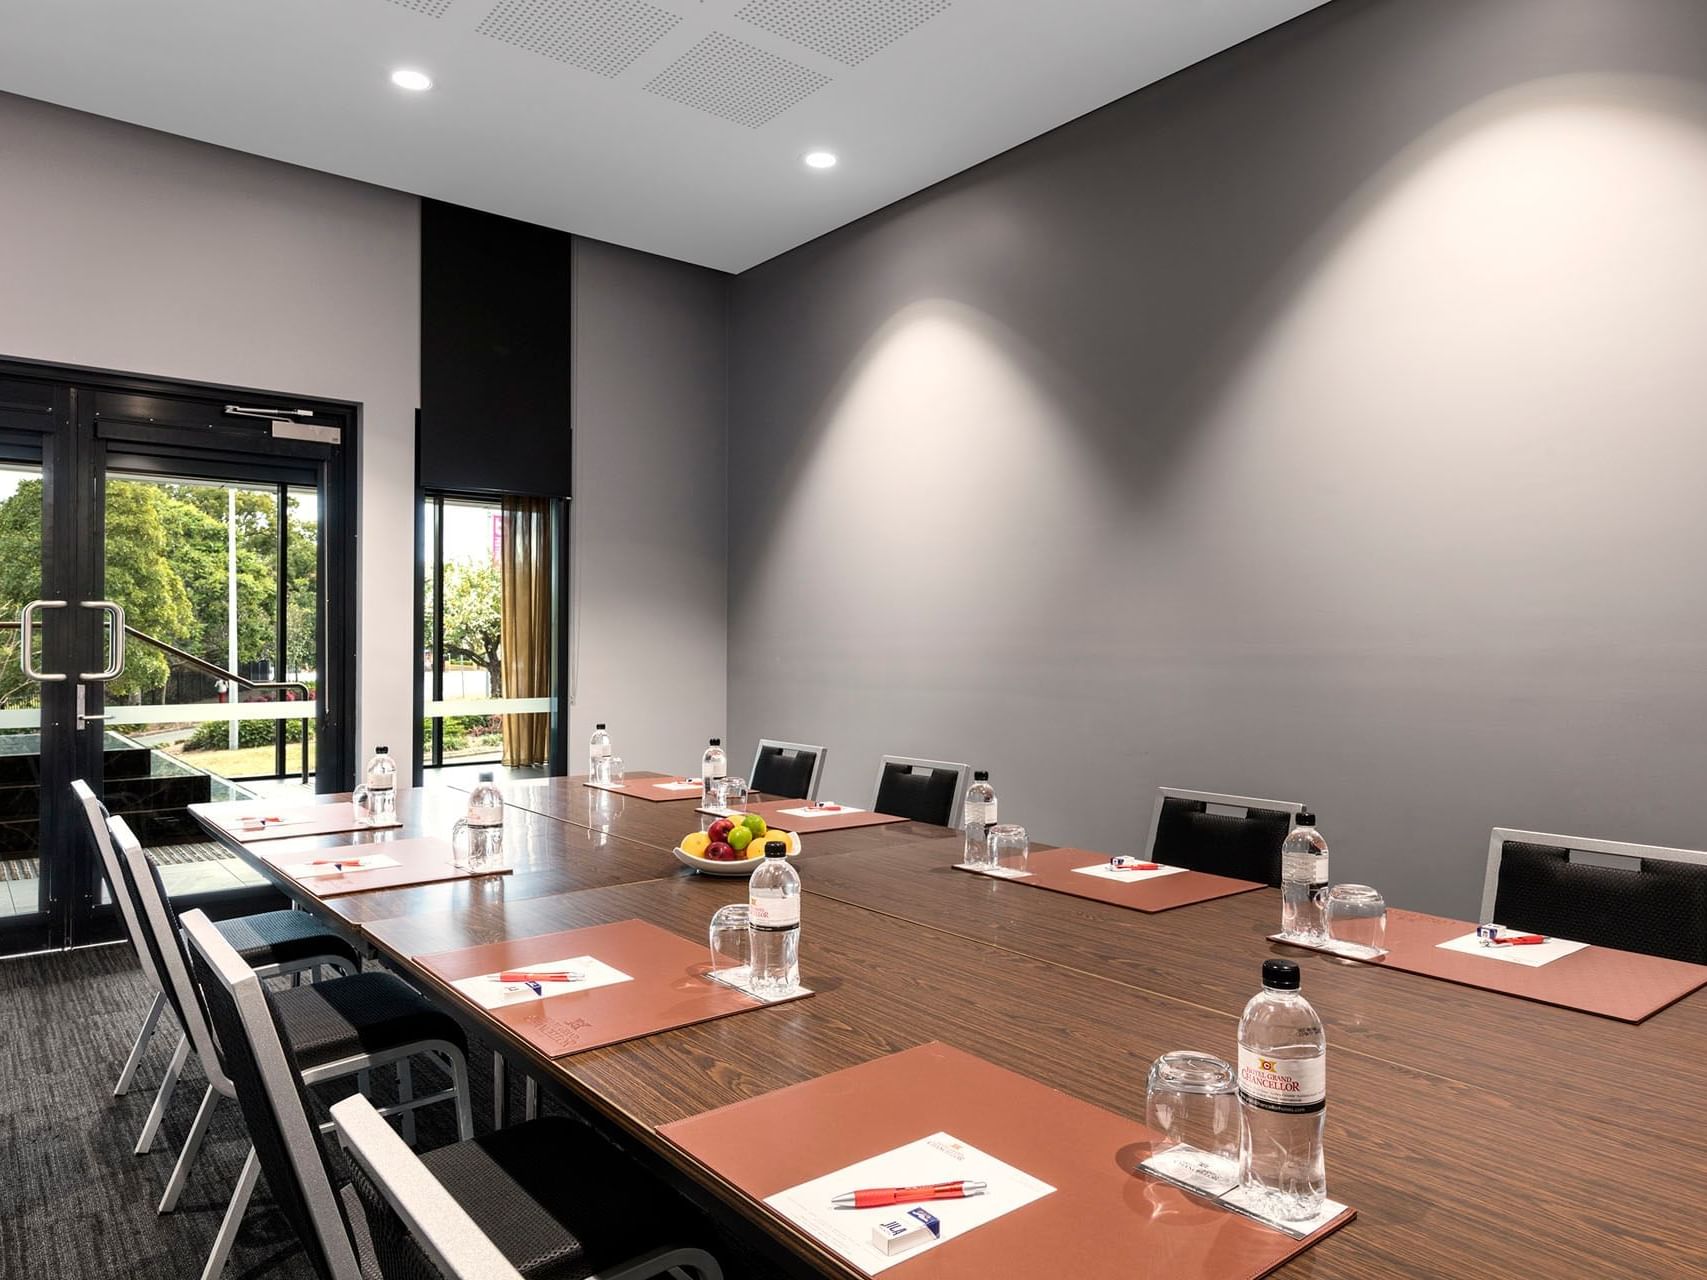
point(961, 772)
point(96, 813)
point(1246, 803)
point(1604, 853)
point(817, 764)
point(157, 915)
point(452, 1241)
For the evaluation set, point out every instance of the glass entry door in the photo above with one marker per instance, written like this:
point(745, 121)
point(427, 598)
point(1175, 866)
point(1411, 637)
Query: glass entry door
point(165, 635)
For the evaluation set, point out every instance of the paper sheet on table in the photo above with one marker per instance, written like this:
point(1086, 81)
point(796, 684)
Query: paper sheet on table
point(1102, 871)
point(340, 867)
point(677, 784)
point(487, 992)
point(834, 811)
point(938, 1158)
point(1001, 873)
point(1532, 957)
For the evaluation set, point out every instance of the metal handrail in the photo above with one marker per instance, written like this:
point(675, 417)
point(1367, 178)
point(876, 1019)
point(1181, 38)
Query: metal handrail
point(218, 672)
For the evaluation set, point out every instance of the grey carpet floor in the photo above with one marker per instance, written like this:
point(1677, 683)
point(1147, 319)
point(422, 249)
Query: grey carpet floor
point(75, 1203)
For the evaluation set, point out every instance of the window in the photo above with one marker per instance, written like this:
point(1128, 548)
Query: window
point(490, 630)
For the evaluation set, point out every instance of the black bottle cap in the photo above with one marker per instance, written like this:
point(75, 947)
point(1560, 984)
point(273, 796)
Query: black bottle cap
point(598, 726)
point(981, 775)
point(485, 775)
point(776, 848)
point(1281, 975)
point(382, 751)
point(717, 742)
point(1305, 818)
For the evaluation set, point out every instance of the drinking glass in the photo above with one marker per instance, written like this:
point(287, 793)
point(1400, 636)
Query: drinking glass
point(474, 848)
point(732, 942)
point(1192, 1104)
point(1357, 918)
point(613, 771)
point(1010, 849)
point(728, 793)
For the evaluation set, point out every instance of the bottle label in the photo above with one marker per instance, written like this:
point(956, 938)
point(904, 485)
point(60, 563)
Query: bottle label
point(774, 913)
point(377, 781)
point(1306, 868)
point(710, 771)
point(601, 751)
point(485, 815)
point(1283, 1084)
point(980, 813)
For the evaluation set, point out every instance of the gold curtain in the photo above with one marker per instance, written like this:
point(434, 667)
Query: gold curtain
point(526, 648)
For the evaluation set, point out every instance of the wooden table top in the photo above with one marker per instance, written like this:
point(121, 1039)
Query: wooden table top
point(1470, 1129)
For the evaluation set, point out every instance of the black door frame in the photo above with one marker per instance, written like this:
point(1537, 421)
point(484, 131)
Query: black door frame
point(183, 425)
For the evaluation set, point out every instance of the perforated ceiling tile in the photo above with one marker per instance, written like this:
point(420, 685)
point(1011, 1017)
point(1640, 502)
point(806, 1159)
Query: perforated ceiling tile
point(732, 79)
point(849, 31)
point(604, 36)
point(432, 8)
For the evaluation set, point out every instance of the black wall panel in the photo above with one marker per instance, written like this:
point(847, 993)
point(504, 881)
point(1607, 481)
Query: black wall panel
point(495, 378)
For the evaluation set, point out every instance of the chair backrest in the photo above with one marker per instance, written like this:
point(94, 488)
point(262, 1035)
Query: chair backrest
point(270, 1094)
point(1223, 835)
point(159, 930)
point(124, 901)
point(1634, 897)
point(787, 770)
point(408, 1209)
point(923, 790)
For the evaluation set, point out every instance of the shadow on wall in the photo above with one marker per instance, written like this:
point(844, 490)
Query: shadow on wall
point(1419, 472)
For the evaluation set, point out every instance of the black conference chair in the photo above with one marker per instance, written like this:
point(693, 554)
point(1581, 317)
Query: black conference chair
point(344, 1027)
point(271, 942)
point(922, 790)
point(1633, 897)
point(498, 1207)
point(1222, 835)
point(787, 770)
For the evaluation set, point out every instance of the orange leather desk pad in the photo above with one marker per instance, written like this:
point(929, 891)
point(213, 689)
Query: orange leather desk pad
point(1054, 869)
point(771, 812)
point(644, 786)
point(423, 860)
point(299, 819)
point(1615, 984)
point(1102, 1220)
point(669, 987)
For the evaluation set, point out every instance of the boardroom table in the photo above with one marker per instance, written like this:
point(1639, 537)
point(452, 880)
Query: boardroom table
point(1474, 1132)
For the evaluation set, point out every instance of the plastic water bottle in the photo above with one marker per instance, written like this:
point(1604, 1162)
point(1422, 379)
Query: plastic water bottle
point(1304, 882)
point(478, 839)
point(773, 902)
point(379, 795)
point(598, 755)
point(1283, 1091)
point(713, 768)
point(977, 816)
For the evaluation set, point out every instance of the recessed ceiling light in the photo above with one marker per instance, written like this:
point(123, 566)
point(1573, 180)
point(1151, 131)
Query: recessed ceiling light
point(820, 159)
point(415, 81)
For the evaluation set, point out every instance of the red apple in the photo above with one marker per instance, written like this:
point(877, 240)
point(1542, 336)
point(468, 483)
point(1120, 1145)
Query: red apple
point(719, 830)
point(721, 852)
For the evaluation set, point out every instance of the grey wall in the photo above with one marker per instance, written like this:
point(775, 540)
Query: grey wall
point(1324, 423)
point(127, 249)
point(648, 533)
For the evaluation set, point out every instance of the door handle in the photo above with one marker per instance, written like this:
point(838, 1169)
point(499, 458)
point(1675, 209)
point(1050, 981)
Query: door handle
point(84, 719)
point(26, 639)
point(116, 668)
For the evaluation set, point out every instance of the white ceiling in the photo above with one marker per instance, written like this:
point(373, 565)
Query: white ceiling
point(611, 138)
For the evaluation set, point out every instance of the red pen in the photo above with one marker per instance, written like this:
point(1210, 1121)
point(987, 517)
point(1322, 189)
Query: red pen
point(828, 808)
point(877, 1197)
point(527, 976)
point(1520, 940)
point(336, 862)
point(1117, 865)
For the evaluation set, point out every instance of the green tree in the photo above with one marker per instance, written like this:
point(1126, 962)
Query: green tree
point(20, 582)
point(474, 627)
point(142, 548)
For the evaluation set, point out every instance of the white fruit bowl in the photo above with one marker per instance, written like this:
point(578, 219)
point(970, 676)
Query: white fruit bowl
point(742, 868)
